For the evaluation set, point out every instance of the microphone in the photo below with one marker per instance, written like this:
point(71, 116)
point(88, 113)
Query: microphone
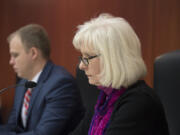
point(28, 84)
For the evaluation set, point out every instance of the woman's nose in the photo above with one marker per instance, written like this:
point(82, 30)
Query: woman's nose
point(82, 66)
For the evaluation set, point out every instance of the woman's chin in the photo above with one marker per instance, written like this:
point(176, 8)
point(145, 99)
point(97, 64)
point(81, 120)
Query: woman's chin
point(92, 82)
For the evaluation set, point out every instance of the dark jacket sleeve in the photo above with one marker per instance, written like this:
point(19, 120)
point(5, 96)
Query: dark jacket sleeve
point(83, 127)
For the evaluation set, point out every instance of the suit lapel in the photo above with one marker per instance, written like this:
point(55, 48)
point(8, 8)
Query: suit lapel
point(19, 98)
point(34, 96)
point(44, 75)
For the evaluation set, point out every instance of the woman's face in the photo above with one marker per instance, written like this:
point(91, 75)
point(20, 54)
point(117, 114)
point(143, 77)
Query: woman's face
point(92, 69)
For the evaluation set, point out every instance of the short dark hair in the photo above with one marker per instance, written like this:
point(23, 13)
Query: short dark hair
point(33, 35)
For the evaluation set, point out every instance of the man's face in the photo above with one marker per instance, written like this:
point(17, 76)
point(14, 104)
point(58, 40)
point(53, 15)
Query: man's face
point(20, 59)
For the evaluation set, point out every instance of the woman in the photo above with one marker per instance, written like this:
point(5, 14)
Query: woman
point(111, 59)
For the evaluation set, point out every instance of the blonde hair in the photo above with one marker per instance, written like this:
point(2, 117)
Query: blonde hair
point(119, 48)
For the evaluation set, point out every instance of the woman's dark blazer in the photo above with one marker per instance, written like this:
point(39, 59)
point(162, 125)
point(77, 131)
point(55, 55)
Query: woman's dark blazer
point(137, 112)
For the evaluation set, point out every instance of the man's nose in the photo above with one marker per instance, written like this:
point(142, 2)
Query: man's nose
point(11, 61)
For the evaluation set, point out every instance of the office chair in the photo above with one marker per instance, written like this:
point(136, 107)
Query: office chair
point(89, 95)
point(167, 85)
point(88, 92)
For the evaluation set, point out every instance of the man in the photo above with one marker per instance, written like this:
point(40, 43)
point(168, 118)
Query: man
point(54, 106)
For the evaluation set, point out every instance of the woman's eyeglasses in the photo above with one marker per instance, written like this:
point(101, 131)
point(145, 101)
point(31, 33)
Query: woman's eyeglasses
point(86, 60)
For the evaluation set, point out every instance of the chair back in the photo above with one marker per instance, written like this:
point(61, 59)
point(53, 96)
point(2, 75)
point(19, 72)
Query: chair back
point(89, 94)
point(167, 85)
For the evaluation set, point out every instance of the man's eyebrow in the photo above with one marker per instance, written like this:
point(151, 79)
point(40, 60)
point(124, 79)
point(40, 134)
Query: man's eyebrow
point(13, 53)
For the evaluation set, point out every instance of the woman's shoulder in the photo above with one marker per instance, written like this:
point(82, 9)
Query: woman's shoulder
point(139, 98)
point(141, 91)
point(138, 110)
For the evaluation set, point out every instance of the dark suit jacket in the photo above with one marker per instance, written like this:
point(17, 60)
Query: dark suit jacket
point(55, 105)
point(137, 112)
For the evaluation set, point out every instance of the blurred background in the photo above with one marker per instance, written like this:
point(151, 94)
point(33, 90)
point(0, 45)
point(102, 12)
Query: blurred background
point(156, 22)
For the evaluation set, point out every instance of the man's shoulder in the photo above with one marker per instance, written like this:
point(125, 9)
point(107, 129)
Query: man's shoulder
point(60, 71)
point(52, 70)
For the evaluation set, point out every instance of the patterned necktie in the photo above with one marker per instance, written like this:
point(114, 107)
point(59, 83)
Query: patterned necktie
point(25, 107)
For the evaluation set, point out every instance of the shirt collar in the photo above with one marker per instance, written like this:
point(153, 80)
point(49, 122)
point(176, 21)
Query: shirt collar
point(36, 77)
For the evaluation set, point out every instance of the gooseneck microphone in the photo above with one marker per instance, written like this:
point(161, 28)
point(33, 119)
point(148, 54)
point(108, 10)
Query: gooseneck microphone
point(28, 84)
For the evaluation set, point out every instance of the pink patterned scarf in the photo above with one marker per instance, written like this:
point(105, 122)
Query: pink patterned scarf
point(103, 109)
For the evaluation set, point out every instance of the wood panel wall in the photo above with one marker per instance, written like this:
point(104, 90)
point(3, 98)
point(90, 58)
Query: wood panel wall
point(155, 21)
